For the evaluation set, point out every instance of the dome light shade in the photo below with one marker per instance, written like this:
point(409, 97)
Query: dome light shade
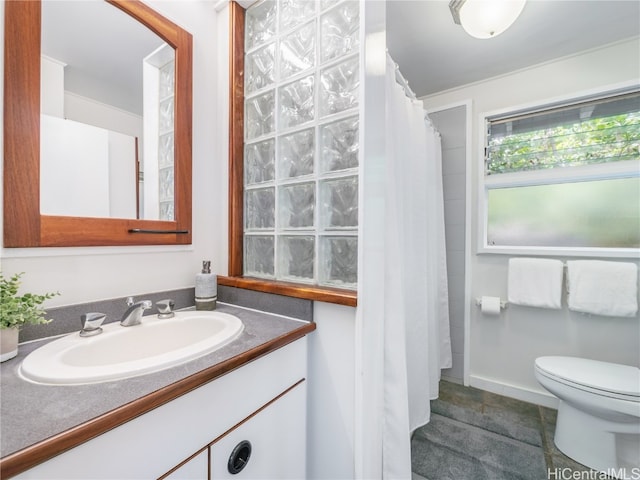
point(485, 18)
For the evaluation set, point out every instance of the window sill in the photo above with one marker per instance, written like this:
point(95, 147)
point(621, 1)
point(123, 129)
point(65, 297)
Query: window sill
point(630, 253)
point(297, 290)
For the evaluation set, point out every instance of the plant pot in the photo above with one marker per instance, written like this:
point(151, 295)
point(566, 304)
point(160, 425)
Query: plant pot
point(8, 343)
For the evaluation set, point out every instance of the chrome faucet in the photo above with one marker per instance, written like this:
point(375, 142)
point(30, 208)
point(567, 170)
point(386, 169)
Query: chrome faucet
point(133, 315)
point(165, 308)
point(91, 323)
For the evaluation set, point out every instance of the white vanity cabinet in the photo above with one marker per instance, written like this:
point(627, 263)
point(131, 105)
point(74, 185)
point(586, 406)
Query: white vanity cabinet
point(274, 437)
point(191, 437)
point(265, 445)
point(195, 468)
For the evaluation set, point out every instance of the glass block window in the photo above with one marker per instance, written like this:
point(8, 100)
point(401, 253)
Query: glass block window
point(301, 149)
point(165, 141)
point(566, 176)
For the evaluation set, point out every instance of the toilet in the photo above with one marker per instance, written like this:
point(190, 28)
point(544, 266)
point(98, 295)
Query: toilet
point(599, 412)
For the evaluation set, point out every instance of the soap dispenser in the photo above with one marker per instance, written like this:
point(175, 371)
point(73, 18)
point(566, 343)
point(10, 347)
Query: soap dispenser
point(206, 288)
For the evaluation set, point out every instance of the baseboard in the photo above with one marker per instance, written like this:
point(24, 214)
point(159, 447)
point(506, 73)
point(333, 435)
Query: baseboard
point(452, 379)
point(513, 391)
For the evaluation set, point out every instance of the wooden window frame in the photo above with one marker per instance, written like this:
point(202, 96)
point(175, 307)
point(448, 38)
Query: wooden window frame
point(236, 186)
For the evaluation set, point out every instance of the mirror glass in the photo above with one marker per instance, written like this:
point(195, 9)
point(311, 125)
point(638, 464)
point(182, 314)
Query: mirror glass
point(107, 114)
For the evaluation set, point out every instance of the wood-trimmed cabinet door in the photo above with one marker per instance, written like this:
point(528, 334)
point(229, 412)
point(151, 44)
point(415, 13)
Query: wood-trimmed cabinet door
point(196, 468)
point(277, 438)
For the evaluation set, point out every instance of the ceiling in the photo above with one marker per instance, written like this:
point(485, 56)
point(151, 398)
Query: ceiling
point(435, 54)
point(102, 48)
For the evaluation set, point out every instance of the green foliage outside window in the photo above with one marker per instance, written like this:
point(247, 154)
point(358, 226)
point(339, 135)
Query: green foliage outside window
point(592, 141)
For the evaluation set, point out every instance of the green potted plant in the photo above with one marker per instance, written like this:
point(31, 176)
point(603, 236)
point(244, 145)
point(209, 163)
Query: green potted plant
point(17, 310)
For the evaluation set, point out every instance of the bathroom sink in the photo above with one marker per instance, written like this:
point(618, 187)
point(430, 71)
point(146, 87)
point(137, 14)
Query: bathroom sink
point(122, 352)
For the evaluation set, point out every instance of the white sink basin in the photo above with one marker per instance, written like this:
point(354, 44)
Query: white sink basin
point(122, 352)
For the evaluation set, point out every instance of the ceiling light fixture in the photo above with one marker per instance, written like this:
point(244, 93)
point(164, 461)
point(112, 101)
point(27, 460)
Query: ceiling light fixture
point(485, 18)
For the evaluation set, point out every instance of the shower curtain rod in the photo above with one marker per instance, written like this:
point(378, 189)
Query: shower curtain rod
point(401, 80)
point(407, 89)
point(404, 83)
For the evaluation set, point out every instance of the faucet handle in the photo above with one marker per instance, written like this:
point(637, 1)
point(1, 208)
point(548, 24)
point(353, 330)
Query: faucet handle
point(91, 323)
point(165, 308)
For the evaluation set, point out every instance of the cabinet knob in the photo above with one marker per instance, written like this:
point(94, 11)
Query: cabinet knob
point(239, 457)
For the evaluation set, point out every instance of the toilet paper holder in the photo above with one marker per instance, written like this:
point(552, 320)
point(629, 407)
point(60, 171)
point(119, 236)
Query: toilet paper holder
point(503, 303)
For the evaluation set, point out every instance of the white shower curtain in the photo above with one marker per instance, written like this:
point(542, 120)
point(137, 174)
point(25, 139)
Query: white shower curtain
point(416, 318)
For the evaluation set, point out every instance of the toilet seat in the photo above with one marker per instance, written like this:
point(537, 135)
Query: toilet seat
point(601, 378)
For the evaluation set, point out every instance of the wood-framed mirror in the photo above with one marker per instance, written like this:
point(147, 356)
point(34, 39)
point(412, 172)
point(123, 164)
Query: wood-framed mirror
point(24, 223)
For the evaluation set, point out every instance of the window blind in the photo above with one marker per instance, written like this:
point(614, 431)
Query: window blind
point(589, 132)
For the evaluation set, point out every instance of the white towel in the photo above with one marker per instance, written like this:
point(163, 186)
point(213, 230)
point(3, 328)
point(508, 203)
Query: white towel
point(535, 282)
point(603, 288)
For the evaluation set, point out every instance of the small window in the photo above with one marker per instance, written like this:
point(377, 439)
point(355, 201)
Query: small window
point(565, 177)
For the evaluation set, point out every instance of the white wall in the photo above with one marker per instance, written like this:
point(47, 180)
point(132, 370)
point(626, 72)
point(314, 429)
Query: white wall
point(74, 168)
point(87, 110)
point(503, 349)
point(122, 175)
point(86, 274)
point(52, 87)
point(452, 125)
point(330, 451)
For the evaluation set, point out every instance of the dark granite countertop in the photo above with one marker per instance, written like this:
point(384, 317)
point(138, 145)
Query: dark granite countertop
point(32, 413)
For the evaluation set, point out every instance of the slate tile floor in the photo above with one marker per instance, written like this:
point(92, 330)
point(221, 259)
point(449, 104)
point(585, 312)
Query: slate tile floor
point(478, 435)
